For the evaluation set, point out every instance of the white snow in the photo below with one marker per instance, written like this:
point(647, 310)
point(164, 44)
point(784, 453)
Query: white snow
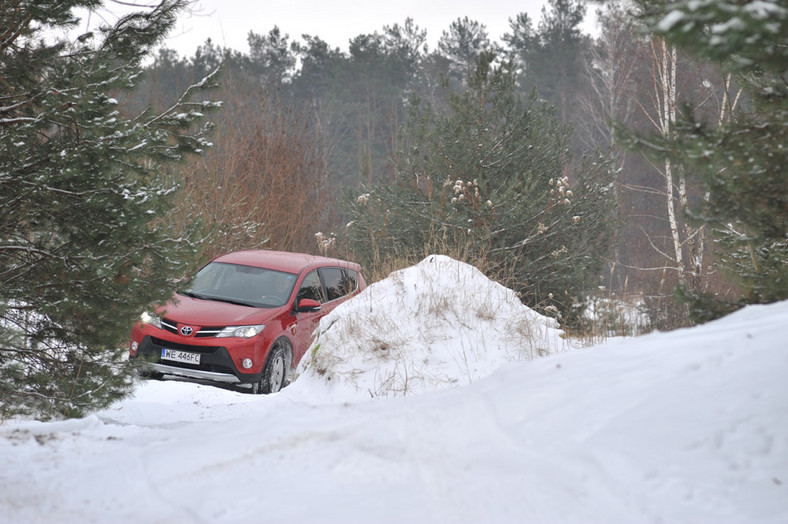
point(689, 426)
point(762, 9)
point(735, 23)
point(670, 20)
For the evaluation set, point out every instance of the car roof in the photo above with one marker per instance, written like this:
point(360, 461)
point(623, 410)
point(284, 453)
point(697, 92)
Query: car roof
point(281, 260)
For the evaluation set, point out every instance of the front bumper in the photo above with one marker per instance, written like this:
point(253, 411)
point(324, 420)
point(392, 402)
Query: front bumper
point(215, 365)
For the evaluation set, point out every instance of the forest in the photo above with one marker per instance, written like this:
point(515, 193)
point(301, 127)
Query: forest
point(643, 165)
point(387, 138)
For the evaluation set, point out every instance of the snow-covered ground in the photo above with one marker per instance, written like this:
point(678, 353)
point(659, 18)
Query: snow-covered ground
point(683, 427)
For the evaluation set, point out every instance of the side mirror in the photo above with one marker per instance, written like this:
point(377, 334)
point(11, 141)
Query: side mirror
point(307, 305)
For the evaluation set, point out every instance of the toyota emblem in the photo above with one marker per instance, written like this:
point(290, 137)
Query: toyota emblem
point(186, 331)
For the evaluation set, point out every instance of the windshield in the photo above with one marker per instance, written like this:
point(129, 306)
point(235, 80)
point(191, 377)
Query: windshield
point(244, 285)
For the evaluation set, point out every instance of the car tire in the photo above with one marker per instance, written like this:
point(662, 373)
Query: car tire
point(273, 378)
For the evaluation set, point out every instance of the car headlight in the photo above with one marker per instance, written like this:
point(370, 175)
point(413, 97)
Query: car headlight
point(150, 318)
point(241, 331)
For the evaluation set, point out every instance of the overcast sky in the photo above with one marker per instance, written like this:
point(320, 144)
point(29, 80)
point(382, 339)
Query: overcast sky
point(228, 22)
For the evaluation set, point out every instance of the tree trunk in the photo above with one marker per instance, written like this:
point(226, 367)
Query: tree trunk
point(667, 83)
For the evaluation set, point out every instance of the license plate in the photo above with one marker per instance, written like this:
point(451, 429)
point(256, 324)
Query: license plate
point(180, 356)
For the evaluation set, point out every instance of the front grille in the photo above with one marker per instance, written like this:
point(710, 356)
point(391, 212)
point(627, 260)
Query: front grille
point(169, 325)
point(215, 359)
point(207, 332)
point(204, 332)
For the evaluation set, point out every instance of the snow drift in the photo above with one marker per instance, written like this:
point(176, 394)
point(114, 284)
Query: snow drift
point(438, 324)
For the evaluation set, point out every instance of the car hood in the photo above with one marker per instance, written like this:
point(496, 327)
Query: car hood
point(187, 310)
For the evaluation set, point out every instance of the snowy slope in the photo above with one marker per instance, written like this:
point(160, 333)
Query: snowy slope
point(683, 427)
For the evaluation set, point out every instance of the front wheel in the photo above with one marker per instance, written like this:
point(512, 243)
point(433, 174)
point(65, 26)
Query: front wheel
point(273, 377)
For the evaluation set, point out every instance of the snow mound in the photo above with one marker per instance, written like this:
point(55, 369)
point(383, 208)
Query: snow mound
point(438, 324)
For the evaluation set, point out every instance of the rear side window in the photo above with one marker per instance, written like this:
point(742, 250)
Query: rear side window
point(350, 282)
point(333, 278)
point(311, 288)
point(339, 282)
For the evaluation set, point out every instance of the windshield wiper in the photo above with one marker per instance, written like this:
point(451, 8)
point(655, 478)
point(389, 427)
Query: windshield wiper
point(229, 301)
point(192, 295)
point(216, 299)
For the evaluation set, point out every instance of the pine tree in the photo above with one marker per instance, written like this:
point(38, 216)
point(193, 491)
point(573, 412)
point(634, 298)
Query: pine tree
point(82, 187)
point(742, 162)
point(272, 57)
point(485, 181)
point(551, 57)
point(462, 44)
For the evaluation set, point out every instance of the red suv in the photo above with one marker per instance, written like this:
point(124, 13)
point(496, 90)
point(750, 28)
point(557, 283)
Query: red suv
point(245, 317)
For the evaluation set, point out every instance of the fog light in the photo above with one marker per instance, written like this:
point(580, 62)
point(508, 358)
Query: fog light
point(247, 363)
point(134, 346)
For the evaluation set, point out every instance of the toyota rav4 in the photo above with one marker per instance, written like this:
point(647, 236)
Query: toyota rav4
point(246, 318)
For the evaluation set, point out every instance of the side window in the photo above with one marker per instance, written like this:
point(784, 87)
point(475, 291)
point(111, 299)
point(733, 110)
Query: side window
point(349, 282)
point(333, 279)
point(310, 288)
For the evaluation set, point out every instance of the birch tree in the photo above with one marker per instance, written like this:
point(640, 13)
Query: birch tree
point(742, 162)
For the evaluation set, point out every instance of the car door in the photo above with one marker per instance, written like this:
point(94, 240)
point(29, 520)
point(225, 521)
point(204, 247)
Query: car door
point(330, 286)
point(306, 321)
